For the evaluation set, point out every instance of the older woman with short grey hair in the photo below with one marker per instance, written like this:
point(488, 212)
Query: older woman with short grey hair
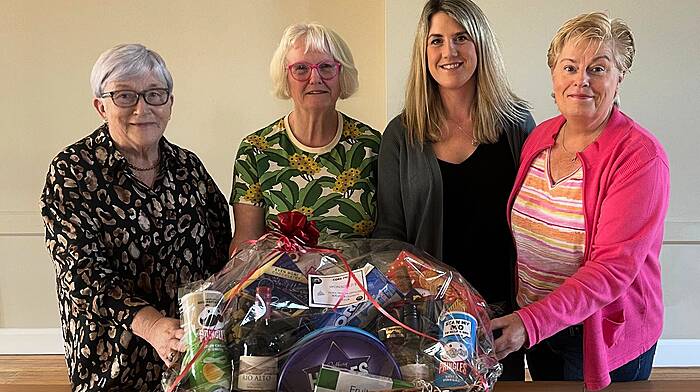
point(314, 160)
point(129, 218)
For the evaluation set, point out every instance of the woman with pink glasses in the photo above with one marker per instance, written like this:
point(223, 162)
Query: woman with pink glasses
point(314, 160)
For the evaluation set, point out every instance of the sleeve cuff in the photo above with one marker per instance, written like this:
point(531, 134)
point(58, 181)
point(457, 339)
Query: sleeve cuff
point(530, 328)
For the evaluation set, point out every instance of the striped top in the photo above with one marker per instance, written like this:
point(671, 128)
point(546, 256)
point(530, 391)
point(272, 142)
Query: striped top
point(549, 231)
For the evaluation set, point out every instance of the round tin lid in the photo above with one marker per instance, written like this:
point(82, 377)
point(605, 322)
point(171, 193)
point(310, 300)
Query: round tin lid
point(342, 347)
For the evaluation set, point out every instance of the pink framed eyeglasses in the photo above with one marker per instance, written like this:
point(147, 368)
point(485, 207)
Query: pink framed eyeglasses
point(301, 71)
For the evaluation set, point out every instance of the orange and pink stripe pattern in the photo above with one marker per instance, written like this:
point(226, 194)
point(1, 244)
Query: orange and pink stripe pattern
point(548, 226)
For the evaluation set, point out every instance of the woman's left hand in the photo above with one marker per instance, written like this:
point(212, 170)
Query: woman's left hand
point(514, 335)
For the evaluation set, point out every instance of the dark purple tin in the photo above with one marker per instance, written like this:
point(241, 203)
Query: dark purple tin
point(343, 347)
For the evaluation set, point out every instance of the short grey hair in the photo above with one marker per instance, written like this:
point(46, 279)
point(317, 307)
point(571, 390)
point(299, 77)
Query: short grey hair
point(316, 38)
point(127, 61)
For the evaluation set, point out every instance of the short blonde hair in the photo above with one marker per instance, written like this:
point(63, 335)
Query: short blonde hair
point(495, 108)
point(597, 27)
point(317, 38)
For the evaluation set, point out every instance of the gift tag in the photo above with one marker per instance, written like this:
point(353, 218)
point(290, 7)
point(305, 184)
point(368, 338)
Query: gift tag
point(325, 291)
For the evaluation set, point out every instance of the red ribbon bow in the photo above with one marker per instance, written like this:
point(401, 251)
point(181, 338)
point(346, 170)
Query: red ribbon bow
point(295, 226)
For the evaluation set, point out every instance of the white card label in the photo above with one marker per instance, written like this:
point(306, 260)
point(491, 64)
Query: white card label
point(326, 290)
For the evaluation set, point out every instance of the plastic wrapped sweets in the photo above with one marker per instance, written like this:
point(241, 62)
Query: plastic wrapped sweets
point(288, 314)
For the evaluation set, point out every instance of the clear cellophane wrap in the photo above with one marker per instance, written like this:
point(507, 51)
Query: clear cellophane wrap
point(450, 340)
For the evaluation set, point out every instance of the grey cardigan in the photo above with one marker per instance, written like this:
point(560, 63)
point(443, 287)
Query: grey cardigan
point(409, 186)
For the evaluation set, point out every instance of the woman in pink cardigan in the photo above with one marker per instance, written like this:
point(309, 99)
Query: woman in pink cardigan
point(587, 214)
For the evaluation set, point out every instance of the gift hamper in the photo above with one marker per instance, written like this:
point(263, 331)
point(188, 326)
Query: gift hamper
point(290, 314)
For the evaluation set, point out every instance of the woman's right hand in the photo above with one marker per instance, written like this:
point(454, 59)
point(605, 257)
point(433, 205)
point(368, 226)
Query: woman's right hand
point(513, 337)
point(163, 333)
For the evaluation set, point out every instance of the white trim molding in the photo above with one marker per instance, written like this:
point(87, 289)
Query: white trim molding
point(669, 352)
point(30, 223)
point(682, 232)
point(21, 223)
point(677, 353)
point(31, 341)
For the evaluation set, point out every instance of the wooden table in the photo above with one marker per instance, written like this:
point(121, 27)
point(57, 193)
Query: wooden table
point(639, 386)
point(504, 386)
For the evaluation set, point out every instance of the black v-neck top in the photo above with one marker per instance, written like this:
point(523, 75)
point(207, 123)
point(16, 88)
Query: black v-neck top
point(476, 237)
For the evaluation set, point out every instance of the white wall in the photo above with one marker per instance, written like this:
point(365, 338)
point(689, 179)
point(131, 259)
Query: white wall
point(218, 52)
point(660, 93)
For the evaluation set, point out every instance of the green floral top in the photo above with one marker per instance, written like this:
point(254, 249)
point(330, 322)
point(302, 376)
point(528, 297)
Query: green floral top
point(334, 185)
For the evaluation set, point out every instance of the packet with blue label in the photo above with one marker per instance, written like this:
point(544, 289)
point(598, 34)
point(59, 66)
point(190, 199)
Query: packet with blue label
point(360, 312)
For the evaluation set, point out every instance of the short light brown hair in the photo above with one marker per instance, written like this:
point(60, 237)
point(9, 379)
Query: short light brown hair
point(596, 27)
point(317, 38)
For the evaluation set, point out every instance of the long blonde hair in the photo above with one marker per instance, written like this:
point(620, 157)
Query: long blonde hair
point(495, 107)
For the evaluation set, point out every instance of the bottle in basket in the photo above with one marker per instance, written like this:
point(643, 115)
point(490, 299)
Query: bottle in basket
point(258, 362)
point(202, 319)
point(416, 365)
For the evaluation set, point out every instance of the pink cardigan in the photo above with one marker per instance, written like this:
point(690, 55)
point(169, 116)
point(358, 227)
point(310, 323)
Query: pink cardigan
point(617, 290)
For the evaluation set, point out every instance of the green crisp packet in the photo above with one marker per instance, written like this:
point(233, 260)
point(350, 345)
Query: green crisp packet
point(332, 379)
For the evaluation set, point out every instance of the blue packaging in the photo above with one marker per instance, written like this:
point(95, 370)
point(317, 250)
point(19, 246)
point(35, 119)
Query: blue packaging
point(361, 314)
point(458, 342)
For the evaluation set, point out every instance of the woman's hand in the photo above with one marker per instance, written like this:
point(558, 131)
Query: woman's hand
point(513, 337)
point(163, 333)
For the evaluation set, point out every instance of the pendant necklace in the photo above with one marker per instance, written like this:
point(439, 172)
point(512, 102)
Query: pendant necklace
point(475, 143)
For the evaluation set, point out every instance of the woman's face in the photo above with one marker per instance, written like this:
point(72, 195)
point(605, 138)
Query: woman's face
point(585, 81)
point(316, 93)
point(141, 125)
point(450, 53)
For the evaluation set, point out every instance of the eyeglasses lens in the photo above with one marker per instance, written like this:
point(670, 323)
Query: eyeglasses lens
point(327, 70)
point(153, 97)
point(302, 71)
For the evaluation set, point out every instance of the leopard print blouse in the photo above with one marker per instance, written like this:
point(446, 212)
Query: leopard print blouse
point(118, 246)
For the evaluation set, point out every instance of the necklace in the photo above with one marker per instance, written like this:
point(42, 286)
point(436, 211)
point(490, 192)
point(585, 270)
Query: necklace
point(143, 169)
point(563, 144)
point(595, 134)
point(475, 143)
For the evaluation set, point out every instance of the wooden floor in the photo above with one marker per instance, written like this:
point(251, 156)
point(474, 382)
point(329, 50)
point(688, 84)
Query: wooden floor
point(28, 369)
point(51, 370)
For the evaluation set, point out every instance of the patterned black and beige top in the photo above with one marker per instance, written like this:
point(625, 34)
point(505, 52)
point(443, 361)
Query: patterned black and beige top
point(118, 246)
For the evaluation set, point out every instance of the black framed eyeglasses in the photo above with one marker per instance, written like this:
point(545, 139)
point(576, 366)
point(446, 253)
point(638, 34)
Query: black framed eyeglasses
point(129, 98)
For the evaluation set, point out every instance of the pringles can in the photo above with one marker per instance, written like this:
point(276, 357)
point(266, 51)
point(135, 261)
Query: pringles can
point(458, 341)
point(202, 318)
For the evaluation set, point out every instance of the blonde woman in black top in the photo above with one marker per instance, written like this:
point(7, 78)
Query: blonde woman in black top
point(447, 163)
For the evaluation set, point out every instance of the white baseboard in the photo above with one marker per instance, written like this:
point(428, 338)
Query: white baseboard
point(31, 341)
point(669, 352)
point(677, 353)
